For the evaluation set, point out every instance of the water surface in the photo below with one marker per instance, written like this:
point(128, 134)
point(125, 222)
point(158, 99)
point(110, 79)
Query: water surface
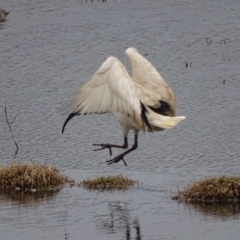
point(48, 48)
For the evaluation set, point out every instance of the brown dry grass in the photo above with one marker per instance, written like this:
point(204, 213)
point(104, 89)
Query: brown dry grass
point(30, 176)
point(117, 182)
point(215, 189)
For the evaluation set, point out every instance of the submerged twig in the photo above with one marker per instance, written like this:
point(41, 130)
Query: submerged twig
point(10, 127)
point(14, 118)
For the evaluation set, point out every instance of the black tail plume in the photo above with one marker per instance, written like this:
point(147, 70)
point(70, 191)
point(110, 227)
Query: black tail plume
point(144, 117)
point(68, 119)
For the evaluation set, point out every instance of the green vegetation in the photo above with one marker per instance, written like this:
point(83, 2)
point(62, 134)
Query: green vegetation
point(216, 189)
point(102, 183)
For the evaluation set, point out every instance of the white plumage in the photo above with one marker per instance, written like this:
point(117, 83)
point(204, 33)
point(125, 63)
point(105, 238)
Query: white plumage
point(143, 102)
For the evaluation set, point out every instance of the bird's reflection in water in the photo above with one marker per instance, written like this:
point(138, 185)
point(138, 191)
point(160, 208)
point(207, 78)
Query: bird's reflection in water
point(120, 220)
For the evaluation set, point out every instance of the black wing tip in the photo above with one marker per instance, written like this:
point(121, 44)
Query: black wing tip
point(164, 109)
point(71, 115)
point(144, 116)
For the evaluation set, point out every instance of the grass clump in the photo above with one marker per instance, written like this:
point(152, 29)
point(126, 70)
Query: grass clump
point(30, 177)
point(221, 189)
point(117, 182)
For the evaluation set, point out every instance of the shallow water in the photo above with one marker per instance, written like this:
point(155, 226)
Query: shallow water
point(48, 48)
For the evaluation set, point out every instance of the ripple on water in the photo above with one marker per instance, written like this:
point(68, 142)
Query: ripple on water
point(48, 48)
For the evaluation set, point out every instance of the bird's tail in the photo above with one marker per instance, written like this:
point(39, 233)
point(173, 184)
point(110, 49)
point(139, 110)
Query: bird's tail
point(164, 122)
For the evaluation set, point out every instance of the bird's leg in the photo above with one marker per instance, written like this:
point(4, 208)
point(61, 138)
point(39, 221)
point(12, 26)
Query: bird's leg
point(120, 156)
point(110, 146)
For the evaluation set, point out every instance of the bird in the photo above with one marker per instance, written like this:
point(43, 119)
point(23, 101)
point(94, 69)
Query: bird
point(141, 102)
point(3, 14)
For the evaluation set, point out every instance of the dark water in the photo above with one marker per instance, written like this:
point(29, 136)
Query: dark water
point(48, 48)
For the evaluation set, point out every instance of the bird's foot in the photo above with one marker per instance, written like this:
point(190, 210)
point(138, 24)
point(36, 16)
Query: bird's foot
point(103, 146)
point(117, 159)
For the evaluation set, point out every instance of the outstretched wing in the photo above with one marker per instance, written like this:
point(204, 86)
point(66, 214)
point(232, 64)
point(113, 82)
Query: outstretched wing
point(110, 89)
point(153, 91)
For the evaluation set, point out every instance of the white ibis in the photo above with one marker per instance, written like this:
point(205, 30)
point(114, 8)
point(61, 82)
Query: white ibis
point(143, 102)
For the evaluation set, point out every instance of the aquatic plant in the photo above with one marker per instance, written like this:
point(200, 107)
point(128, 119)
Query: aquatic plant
point(117, 182)
point(3, 14)
point(208, 190)
point(30, 177)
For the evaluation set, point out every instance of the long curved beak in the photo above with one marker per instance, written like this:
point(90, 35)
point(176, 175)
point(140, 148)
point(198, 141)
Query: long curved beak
point(71, 115)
